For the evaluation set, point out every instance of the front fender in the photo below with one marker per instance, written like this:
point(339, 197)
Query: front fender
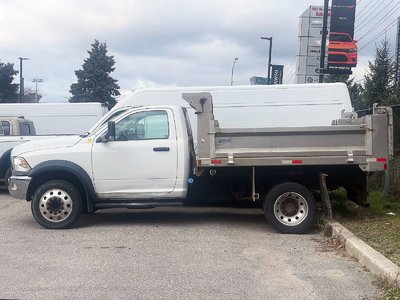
point(66, 170)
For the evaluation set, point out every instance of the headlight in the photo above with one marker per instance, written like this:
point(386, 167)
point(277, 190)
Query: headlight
point(352, 50)
point(20, 164)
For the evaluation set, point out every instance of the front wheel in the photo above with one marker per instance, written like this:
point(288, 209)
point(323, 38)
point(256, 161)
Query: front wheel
point(56, 204)
point(290, 208)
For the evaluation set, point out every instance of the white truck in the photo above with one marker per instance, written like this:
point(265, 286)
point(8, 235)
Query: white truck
point(24, 122)
point(144, 157)
point(11, 131)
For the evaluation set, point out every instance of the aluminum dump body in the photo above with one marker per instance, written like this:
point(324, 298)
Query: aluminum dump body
point(366, 142)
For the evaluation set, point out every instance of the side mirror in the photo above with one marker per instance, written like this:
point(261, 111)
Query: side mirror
point(111, 131)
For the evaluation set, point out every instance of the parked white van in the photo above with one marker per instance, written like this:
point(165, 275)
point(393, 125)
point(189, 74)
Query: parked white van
point(56, 118)
point(295, 105)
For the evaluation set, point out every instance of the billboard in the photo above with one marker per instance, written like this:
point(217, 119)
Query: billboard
point(342, 49)
point(309, 44)
point(341, 52)
point(343, 16)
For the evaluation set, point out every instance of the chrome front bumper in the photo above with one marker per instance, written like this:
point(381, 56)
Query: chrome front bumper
point(18, 186)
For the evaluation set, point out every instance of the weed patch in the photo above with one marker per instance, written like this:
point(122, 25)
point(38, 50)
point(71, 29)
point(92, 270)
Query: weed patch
point(377, 225)
point(391, 292)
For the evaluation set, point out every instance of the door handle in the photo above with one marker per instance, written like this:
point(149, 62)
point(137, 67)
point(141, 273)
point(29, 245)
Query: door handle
point(161, 149)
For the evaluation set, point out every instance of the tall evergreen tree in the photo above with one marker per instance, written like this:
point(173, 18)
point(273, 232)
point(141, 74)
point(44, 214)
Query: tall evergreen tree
point(94, 81)
point(379, 82)
point(8, 90)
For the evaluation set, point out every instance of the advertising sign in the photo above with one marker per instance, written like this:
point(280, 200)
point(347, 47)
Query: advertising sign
point(277, 74)
point(342, 49)
point(309, 44)
point(343, 16)
point(316, 12)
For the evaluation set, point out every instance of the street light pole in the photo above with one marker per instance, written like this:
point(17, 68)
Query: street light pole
point(36, 80)
point(269, 57)
point(233, 67)
point(21, 79)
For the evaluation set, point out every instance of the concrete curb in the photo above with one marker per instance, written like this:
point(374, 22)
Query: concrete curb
point(375, 262)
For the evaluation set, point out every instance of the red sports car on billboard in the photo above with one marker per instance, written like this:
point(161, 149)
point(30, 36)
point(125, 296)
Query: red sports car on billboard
point(342, 50)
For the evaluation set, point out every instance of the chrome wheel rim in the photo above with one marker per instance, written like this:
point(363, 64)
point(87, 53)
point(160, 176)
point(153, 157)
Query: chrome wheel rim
point(291, 209)
point(55, 205)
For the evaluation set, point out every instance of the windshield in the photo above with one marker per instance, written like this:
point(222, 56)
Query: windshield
point(340, 38)
point(111, 116)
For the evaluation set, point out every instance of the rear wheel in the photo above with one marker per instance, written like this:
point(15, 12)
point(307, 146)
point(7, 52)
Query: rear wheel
point(290, 208)
point(56, 204)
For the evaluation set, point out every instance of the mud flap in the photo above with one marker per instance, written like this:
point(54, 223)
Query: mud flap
point(326, 202)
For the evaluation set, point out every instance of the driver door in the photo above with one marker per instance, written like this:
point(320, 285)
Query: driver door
point(142, 160)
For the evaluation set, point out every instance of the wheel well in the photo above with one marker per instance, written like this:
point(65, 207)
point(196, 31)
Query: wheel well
point(5, 163)
point(43, 177)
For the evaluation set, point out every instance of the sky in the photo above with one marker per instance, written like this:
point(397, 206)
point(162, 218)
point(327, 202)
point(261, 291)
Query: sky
point(166, 43)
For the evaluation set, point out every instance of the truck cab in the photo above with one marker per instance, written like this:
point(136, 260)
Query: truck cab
point(11, 131)
point(16, 126)
point(149, 151)
point(147, 156)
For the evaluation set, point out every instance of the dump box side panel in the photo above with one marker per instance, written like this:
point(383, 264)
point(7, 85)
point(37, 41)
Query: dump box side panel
point(326, 141)
point(364, 142)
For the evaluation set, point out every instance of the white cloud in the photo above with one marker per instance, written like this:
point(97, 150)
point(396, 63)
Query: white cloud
point(155, 43)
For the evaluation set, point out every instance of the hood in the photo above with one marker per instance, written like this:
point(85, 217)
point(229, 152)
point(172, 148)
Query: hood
point(343, 45)
point(46, 143)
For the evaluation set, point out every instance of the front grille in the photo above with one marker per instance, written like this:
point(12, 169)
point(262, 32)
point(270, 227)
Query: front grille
point(342, 50)
point(337, 57)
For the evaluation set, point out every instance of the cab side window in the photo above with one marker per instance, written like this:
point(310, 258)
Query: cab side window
point(145, 125)
point(6, 127)
point(26, 128)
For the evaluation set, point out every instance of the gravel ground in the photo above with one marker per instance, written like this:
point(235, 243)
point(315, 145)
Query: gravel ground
point(171, 253)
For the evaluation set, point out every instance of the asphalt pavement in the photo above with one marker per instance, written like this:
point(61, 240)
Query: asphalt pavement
point(171, 253)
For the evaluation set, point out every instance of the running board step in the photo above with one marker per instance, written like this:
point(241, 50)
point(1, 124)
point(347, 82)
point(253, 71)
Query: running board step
point(136, 205)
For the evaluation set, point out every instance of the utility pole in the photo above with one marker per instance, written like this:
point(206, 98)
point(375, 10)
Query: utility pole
point(36, 80)
point(269, 56)
point(397, 60)
point(233, 67)
point(21, 79)
point(323, 42)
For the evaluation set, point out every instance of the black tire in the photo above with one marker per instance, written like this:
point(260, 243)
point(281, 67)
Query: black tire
point(7, 175)
point(290, 208)
point(56, 204)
